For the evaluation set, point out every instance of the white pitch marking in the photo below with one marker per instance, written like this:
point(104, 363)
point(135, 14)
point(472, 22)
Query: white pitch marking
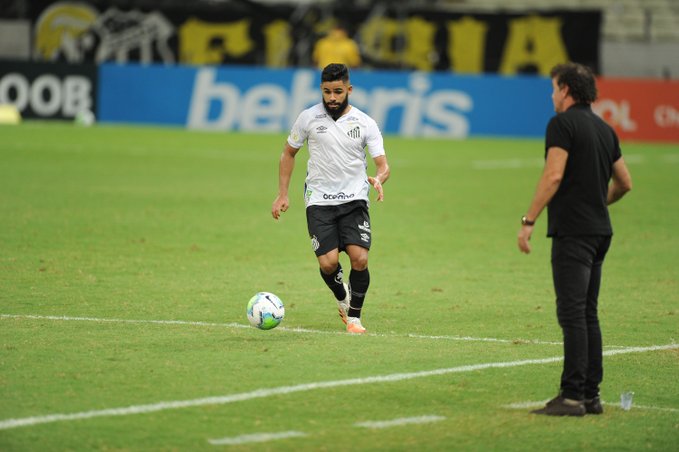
point(656, 408)
point(283, 390)
point(532, 163)
point(490, 339)
point(281, 328)
point(634, 158)
point(255, 438)
point(525, 405)
point(507, 164)
point(400, 421)
point(670, 158)
point(104, 320)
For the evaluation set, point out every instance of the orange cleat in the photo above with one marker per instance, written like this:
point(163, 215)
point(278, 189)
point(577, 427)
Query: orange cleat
point(354, 325)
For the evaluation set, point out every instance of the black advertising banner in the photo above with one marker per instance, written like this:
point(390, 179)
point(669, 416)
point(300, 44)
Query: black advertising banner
point(48, 90)
point(393, 36)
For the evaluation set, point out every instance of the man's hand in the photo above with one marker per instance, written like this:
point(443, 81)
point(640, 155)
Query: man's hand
point(280, 204)
point(377, 185)
point(524, 236)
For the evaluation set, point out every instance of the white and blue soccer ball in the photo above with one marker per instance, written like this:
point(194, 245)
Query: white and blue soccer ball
point(265, 311)
point(85, 118)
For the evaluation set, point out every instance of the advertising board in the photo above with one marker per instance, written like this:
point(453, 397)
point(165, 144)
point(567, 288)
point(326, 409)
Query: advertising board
point(266, 100)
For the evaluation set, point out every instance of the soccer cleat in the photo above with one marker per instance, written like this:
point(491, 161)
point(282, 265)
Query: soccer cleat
point(593, 406)
point(354, 325)
point(561, 406)
point(343, 305)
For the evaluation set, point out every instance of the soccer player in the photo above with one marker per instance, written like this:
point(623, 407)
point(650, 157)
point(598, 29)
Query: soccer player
point(582, 155)
point(337, 187)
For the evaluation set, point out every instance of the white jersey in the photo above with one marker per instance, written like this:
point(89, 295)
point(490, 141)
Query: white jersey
point(336, 171)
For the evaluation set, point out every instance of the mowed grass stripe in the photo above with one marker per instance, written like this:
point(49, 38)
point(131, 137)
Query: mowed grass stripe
point(284, 390)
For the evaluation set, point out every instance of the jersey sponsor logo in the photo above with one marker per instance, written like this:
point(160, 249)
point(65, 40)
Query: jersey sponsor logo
point(355, 132)
point(365, 237)
point(340, 195)
point(321, 129)
point(364, 227)
point(321, 116)
point(314, 243)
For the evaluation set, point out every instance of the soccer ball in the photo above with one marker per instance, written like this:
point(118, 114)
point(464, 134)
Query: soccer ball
point(265, 311)
point(85, 118)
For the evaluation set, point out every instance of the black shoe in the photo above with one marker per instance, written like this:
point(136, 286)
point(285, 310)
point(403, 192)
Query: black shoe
point(561, 406)
point(593, 406)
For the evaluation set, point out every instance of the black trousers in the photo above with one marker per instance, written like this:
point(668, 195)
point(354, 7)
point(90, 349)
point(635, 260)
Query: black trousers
point(576, 271)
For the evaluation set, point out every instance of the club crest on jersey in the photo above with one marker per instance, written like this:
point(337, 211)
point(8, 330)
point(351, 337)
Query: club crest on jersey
point(355, 132)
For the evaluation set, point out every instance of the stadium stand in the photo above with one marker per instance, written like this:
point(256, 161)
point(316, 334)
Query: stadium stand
point(623, 20)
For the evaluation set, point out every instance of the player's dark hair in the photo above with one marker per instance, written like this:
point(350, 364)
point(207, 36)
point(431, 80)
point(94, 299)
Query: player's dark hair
point(579, 79)
point(334, 72)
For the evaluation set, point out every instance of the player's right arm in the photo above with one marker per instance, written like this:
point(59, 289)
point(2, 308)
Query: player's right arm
point(286, 165)
point(548, 185)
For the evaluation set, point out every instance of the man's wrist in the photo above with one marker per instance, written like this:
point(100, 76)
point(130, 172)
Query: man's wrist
point(526, 222)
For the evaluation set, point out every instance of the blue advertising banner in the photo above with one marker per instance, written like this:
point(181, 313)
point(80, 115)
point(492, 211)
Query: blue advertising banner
point(269, 100)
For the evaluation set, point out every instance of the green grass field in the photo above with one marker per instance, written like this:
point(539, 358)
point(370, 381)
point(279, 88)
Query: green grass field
point(128, 255)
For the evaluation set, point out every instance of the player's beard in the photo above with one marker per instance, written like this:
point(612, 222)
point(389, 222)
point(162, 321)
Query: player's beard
point(335, 113)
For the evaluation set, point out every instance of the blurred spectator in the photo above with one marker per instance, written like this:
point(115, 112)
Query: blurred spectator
point(336, 47)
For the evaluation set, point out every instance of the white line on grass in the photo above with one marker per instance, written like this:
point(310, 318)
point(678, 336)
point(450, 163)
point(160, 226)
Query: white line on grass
point(104, 320)
point(254, 438)
point(489, 339)
point(656, 408)
point(400, 421)
point(280, 328)
point(525, 405)
point(532, 163)
point(535, 404)
point(669, 158)
point(283, 390)
point(507, 164)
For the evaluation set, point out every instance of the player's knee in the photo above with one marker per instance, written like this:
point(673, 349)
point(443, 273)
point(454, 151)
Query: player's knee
point(359, 263)
point(328, 267)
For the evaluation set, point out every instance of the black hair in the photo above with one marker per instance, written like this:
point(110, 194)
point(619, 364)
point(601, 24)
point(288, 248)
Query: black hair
point(334, 72)
point(579, 79)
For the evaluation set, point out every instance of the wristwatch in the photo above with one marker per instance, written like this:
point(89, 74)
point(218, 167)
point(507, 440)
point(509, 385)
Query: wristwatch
point(526, 222)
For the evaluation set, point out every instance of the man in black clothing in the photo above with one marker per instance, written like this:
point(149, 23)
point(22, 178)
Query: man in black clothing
point(582, 154)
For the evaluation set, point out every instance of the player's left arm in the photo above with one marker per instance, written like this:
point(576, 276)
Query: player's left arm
point(375, 144)
point(381, 175)
point(622, 182)
point(552, 174)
